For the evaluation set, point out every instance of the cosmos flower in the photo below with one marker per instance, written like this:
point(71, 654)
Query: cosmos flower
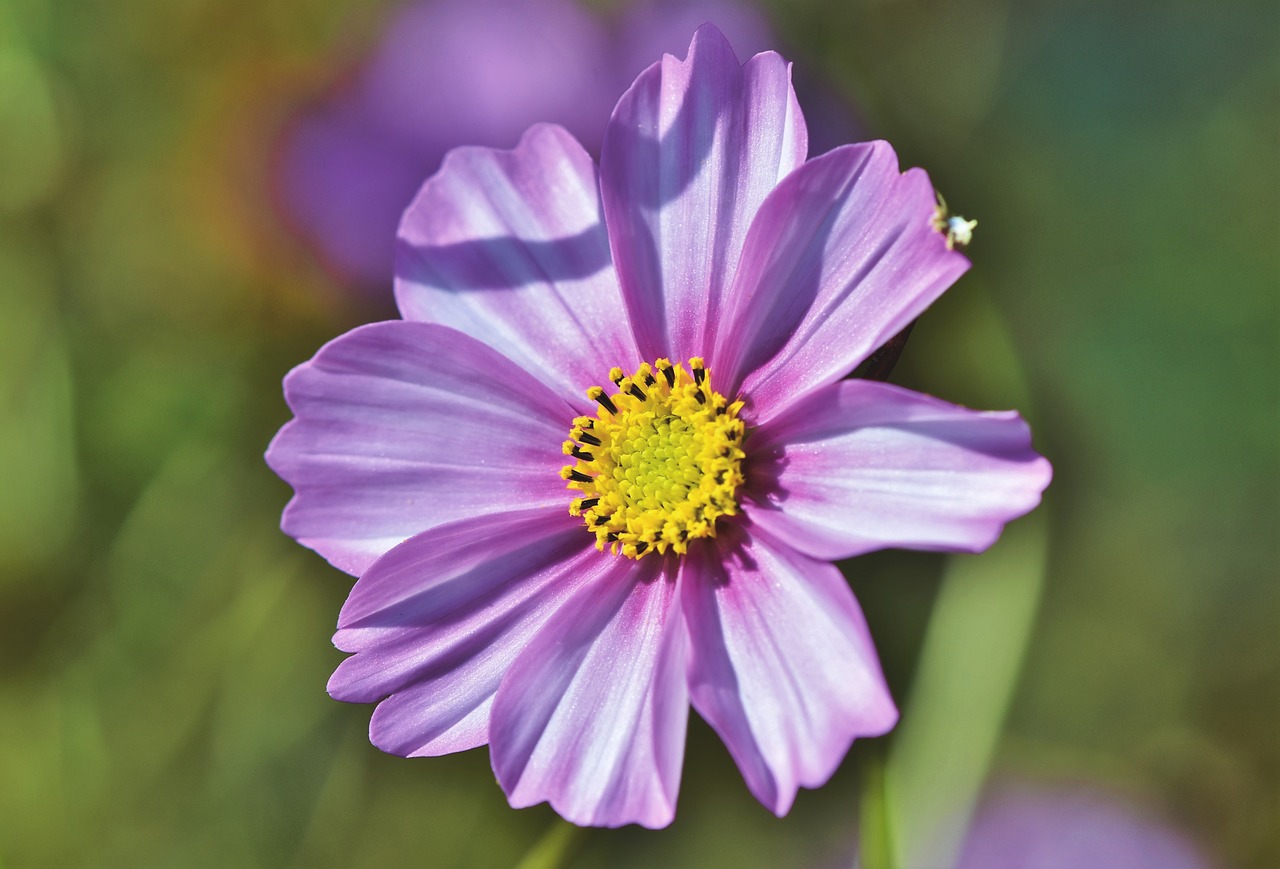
point(598, 472)
point(466, 72)
point(1025, 825)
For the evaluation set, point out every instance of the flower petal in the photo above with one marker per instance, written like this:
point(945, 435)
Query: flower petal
point(782, 664)
point(510, 248)
point(841, 256)
point(691, 151)
point(404, 426)
point(591, 717)
point(436, 622)
point(862, 465)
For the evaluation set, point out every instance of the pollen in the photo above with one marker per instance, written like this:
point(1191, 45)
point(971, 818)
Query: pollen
point(660, 461)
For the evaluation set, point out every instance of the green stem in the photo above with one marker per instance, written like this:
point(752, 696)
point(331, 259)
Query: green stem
point(969, 667)
point(554, 848)
point(875, 839)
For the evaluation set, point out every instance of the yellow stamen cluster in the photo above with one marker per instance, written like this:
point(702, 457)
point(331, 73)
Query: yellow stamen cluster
point(659, 463)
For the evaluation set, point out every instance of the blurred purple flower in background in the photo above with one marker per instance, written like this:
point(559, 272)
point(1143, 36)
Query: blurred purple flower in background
point(467, 72)
point(1021, 825)
point(690, 563)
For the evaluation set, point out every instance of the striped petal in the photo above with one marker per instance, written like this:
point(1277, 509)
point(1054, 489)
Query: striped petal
point(400, 427)
point(860, 466)
point(692, 150)
point(510, 248)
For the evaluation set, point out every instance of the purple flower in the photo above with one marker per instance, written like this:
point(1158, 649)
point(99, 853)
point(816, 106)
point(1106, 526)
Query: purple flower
point(477, 72)
point(565, 600)
point(1025, 826)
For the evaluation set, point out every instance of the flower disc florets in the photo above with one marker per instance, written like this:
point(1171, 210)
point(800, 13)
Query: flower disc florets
point(659, 463)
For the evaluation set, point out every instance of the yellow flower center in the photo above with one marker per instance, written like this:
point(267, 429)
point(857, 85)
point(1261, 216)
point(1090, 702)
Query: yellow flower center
point(660, 461)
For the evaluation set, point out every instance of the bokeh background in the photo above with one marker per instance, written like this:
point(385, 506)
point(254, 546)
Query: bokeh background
point(174, 181)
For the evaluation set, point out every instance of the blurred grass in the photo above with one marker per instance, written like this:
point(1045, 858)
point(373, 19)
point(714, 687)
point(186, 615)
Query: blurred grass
point(969, 667)
point(166, 649)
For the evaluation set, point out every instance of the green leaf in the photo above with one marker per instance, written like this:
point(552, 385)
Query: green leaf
point(554, 848)
point(968, 670)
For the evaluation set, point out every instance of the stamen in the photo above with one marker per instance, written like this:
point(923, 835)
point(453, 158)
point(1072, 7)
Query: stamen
point(665, 460)
point(596, 393)
point(664, 366)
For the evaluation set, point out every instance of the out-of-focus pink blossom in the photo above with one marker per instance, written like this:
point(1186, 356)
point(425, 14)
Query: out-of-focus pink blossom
point(1065, 826)
point(467, 72)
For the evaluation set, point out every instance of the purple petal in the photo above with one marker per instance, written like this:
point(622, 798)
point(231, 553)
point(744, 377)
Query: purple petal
point(436, 622)
point(783, 666)
point(692, 150)
point(404, 426)
point(861, 465)
point(591, 717)
point(841, 257)
point(510, 248)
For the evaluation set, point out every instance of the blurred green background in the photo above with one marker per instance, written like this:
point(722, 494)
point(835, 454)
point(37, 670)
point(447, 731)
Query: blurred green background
point(165, 647)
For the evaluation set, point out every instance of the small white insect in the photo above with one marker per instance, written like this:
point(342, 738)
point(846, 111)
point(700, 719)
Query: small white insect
point(958, 231)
